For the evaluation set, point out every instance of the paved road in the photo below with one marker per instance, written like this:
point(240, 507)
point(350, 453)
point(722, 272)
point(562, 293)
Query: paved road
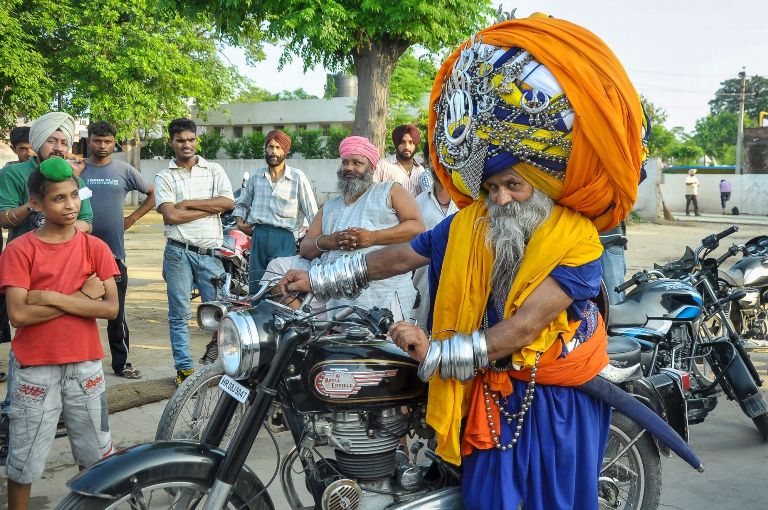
point(733, 453)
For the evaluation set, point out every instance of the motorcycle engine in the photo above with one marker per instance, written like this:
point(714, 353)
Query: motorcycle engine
point(365, 443)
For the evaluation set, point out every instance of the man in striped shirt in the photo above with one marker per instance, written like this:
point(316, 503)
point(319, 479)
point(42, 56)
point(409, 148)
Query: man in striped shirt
point(191, 194)
point(401, 167)
point(273, 206)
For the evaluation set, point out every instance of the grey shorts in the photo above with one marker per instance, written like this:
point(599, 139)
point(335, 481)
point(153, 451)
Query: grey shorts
point(40, 394)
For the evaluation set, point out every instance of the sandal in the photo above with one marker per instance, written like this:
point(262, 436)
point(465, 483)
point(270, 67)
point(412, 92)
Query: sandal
point(130, 373)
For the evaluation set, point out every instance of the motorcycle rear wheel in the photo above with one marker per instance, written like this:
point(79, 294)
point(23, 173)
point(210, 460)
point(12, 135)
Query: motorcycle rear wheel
point(176, 495)
point(630, 478)
point(189, 409)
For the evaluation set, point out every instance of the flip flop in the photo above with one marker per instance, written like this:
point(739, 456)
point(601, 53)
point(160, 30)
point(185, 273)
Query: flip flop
point(130, 373)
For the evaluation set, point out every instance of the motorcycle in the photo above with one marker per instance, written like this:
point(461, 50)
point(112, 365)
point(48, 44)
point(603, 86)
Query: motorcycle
point(749, 314)
point(357, 393)
point(667, 313)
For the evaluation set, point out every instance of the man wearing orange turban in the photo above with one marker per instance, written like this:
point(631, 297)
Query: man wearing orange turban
point(535, 131)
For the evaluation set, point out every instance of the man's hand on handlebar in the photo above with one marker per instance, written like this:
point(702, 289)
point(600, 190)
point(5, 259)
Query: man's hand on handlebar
point(295, 281)
point(410, 338)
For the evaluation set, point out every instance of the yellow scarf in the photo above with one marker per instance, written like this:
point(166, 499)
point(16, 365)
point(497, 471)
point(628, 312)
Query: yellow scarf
point(565, 238)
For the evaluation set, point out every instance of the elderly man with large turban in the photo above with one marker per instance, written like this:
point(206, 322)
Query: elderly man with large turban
point(273, 206)
point(536, 133)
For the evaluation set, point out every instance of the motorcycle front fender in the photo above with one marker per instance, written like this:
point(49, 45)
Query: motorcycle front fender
point(443, 499)
point(157, 462)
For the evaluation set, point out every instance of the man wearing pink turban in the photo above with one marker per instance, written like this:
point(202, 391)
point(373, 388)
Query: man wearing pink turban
point(366, 216)
point(401, 167)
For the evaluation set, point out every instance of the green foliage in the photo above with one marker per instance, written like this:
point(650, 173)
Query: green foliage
point(716, 134)
point(134, 64)
point(253, 94)
point(157, 147)
point(310, 143)
point(234, 148)
point(756, 98)
point(371, 34)
point(683, 153)
point(25, 89)
point(333, 140)
point(208, 144)
point(252, 146)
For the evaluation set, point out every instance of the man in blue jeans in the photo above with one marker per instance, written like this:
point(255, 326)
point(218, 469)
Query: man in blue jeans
point(191, 194)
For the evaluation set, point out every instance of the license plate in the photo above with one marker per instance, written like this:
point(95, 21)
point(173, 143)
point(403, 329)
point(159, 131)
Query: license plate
point(234, 388)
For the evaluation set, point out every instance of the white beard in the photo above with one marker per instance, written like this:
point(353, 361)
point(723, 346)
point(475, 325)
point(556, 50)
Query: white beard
point(351, 189)
point(509, 229)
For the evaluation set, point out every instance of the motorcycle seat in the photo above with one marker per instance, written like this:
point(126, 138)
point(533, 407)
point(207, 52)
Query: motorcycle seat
point(623, 351)
point(626, 313)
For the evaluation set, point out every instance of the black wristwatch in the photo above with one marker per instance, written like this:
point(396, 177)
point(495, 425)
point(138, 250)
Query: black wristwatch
point(31, 209)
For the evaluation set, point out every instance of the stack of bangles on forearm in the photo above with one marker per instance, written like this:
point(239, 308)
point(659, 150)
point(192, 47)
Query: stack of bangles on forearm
point(345, 277)
point(458, 357)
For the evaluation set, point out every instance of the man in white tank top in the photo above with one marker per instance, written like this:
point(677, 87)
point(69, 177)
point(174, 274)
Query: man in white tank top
point(365, 216)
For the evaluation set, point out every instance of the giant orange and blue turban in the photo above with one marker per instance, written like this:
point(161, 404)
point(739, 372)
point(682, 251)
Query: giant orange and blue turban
point(548, 98)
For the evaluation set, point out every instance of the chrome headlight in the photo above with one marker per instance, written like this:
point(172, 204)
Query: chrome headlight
point(238, 344)
point(209, 314)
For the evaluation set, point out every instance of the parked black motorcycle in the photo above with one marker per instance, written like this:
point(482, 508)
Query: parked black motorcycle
point(665, 313)
point(359, 394)
point(748, 314)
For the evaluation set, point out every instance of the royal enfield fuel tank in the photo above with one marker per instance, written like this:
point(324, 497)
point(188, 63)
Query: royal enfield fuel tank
point(338, 373)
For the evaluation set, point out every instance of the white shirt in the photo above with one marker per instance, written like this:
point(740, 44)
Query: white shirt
point(204, 181)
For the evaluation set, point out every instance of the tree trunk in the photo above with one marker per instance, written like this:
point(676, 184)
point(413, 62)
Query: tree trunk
point(133, 157)
point(374, 63)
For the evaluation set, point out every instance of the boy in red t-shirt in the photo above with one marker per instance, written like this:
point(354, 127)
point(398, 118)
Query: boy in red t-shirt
point(57, 282)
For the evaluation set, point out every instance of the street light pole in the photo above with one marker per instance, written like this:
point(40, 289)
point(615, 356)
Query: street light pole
point(740, 135)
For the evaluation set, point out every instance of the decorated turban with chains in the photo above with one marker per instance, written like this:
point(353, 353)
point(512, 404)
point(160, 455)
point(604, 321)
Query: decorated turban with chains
point(549, 99)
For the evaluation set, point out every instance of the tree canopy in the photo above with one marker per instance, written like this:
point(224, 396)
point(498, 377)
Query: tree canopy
point(133, 64)
point(727, 97)
point(370, 35)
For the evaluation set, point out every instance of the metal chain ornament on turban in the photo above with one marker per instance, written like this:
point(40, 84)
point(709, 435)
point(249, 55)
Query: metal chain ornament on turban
point(359, 146)
point(548, 98)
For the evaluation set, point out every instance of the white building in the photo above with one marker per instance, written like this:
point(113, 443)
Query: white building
point(241, 119)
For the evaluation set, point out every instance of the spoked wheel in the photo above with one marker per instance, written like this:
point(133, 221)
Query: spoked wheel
point(700, 368)
point(189, 409)
point(176, 495)
point(630, 477)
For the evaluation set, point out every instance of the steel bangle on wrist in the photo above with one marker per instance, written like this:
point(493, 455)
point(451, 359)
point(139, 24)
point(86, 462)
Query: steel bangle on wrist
point(428, 366)
point(460, 356)
point(317, 241)
point(345, 277)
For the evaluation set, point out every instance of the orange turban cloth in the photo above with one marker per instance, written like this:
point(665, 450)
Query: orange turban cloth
point(548, 98)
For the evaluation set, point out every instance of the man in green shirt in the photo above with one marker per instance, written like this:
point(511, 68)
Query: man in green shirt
point(51, 137)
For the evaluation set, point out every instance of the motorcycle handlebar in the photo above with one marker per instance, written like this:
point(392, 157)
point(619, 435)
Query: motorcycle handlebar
point(725, 233)
point(733, 250)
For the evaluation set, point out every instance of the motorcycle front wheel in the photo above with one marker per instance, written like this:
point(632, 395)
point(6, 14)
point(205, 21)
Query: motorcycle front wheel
point(189, 409)
point(630, 477)
point(155, 495)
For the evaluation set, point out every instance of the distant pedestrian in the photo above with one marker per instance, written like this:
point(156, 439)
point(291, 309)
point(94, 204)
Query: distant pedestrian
point(273, 206)
point(402, 168)
point(725, 193)
point(691, 191)
point(20, 145)
point(110, 180)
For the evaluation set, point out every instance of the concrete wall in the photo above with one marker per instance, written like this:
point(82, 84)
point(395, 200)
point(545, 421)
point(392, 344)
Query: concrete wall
point(320, 172)
point(749, 192)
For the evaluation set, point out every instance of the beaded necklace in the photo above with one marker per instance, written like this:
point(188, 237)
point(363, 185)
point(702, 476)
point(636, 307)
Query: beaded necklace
point(496, 397)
